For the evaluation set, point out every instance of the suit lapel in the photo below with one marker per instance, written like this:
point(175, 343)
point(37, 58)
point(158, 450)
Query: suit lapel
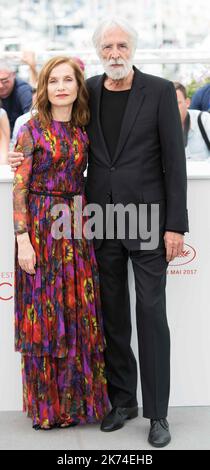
point(135, 101)
point(97, 96)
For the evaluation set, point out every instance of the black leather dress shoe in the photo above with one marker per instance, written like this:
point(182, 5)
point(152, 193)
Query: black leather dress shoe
point(117, 417)
point(159, 435)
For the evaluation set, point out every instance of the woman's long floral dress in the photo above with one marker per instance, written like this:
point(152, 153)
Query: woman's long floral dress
point(58, 323)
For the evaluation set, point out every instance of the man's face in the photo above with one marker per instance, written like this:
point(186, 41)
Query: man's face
point(7, 80)
point(116, 53)
point(183, 104)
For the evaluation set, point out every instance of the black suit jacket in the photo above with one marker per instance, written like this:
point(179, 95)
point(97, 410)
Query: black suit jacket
point(149, 164)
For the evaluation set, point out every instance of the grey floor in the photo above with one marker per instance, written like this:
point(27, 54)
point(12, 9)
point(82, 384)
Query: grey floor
point(190, 429)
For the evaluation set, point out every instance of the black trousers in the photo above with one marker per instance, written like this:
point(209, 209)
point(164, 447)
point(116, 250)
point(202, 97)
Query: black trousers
point(152, 327)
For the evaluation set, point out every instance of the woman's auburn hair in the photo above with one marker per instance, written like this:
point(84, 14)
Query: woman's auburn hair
point(42, 107)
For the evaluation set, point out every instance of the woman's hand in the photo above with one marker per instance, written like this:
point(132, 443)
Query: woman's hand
point(26, 254)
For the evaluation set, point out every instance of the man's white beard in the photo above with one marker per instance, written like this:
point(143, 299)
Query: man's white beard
point(118, 73)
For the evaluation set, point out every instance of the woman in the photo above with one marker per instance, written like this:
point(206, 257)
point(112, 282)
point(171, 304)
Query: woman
point(4, 136)
point(58, 326)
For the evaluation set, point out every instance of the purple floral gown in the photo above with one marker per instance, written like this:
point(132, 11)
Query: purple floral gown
point(58, 323)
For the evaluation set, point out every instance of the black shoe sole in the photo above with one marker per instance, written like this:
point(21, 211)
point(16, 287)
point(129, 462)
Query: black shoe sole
point(159, 445)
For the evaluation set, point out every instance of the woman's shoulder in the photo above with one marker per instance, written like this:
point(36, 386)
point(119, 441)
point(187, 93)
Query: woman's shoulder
point(33, 124)
point(33, 121)
point(30, 130)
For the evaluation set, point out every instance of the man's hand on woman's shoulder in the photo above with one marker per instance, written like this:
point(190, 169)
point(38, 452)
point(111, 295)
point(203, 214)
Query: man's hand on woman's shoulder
point(15, 160)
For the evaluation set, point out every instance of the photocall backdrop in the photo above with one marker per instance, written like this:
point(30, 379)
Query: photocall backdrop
point(188, 300)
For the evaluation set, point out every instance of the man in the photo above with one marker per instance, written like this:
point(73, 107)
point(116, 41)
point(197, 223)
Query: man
point(15, 94)
point(201, 98)
point(196, 134)
point(136, 156)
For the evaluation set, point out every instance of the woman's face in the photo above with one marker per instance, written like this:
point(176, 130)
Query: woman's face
point(62, 86)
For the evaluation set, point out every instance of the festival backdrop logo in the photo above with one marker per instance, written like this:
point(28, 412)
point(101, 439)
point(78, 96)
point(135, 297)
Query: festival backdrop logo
point(182, 263)
point(6, 286)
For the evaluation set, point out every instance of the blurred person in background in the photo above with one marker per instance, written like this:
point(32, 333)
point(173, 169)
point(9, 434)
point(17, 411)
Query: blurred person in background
point(4, 136)
point(80, 63)
point(15, 94)
point(195, 126)
point(201, 99)
point(24, 118)
point(29, 58)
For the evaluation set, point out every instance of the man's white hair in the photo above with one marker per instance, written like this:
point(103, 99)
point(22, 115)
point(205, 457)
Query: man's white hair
point(6, 64)
point(111, 23)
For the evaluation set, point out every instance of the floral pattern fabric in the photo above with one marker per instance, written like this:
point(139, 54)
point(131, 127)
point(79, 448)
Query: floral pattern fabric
point(58, 323)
